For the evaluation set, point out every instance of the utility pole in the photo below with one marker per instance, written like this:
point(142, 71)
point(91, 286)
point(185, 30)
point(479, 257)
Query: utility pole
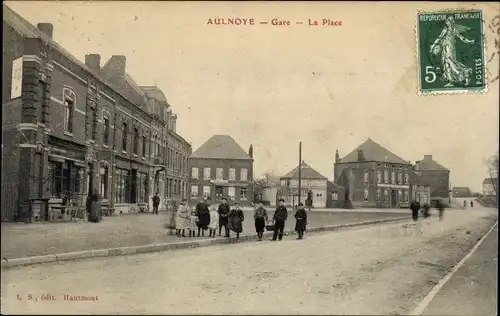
point(300, 168)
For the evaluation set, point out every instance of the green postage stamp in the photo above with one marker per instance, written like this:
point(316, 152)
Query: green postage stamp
point(451, 51)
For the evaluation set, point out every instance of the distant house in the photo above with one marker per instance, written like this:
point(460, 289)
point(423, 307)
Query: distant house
point(436, 175)
point(324, 193)
point(490, 186)
point(458, 192)
point(420, 190)
point(221, 168)
point(373, 176)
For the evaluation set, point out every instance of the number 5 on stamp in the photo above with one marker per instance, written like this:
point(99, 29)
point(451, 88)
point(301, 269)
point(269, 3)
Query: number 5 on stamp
point(451, 51)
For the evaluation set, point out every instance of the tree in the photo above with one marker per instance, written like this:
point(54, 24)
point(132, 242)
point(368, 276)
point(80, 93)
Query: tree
point(493, 172)
point(258, 188)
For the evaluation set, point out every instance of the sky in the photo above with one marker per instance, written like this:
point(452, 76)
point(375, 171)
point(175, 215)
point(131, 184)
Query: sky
point(330, 87)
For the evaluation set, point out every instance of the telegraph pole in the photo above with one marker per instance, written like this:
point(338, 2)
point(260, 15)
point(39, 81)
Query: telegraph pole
point(300, 168)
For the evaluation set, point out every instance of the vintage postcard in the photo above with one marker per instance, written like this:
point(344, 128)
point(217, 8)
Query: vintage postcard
point(250, 157)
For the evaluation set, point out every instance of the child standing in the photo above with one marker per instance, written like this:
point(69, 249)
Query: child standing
point(193, 219)
point(301, 217)
point(214, 220)
point(260, 217)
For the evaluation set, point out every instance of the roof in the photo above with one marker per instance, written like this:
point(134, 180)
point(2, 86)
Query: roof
point(373, 152)
point(154, 93)
point(430, 165)
point(221, 147)
point(306, 173)
point(335, 185)
point(490, 181)
point(461, 189)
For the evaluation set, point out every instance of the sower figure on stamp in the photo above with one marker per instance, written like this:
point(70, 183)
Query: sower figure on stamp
point(156, 203)
point(203, 214)
point(415, 208)
point(223, 217)
point(182, 218)
point(279, 217)
point(235, 220)
point(260, 217)
point(301, 221)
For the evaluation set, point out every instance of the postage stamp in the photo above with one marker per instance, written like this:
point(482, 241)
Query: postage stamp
point(451, 51)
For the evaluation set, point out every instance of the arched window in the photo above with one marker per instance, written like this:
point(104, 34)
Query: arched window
point(69, 99)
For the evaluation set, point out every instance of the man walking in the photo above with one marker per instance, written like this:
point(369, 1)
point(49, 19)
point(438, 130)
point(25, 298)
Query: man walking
point(156, 203)
point(223, 217)
point(440, 207)
point(415, 207)
point(279, 217)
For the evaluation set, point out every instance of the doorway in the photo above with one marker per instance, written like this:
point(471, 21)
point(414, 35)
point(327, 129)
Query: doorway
point(394, 200)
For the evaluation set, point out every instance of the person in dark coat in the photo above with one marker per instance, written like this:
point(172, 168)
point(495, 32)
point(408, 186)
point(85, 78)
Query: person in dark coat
point(471, 204)
point(203, 214)
point(301, 221)
point(440, 207)
point(156, 203)
point(415, 207)
point(260, 217)
point(223, 217)
point(235, 220)
point(279, 217)
point(427, 209)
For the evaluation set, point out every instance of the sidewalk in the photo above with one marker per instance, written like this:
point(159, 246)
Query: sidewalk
point(28, 240)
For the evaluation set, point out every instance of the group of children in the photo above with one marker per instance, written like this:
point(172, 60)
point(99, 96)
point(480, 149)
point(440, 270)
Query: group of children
point(207, 216)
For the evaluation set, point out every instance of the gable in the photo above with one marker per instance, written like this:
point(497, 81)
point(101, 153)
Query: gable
point(221, 147)
point(372, 151)
point(307, 172)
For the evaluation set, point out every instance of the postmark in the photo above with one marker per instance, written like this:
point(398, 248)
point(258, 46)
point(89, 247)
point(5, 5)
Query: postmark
point(451, 57)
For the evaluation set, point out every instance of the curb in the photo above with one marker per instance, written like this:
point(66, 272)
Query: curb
point(122, 251)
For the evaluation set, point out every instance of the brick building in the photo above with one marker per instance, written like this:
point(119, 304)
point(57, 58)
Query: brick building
point(70, 128)
point(437, 176)
point(420, 190)
point(221, 168)
point(373, 176)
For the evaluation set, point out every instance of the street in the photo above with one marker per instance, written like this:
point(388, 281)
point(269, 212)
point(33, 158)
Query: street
point(386, 269)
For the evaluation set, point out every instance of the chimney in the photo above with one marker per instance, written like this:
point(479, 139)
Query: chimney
point(117, 65)
point(46, 28)
point(427, 157)
point(337, 157)
point(93, 61)
point(250, 151)
point(361, 156)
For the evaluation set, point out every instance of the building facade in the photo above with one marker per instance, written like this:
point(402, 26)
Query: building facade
point(419, 190)
point(437, 176)
point(69, 131)
point(490, 186)
point(220, 168)
point(458, 192)
point(373, 177)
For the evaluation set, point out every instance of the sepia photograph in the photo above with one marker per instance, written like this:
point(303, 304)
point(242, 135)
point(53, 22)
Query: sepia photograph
point(250, 158)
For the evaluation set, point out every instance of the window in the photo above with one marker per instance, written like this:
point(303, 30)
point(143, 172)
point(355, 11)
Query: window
point(69, 109)
point(121, 186)
point(231, 192)
point(219, 174)
point(104, 173)
point(393, 176)
point(405, 195)
point(379, 195)
point(136, 140)
point(335, 195)
point(243, 194)
point(405, 180)
point(386, 176)
point(194, 191)
point(366, 193)
point(206, 173)
point(93, 121)
point(400, 176)
point(219, 192)
point(379, 176)
point(232, 174)
point(365, 178)
point(142, 187)
point(124, 136)
point(243, 174)
point(105, 132)
point(400, 195)
point(206, 191)
point(194, 173)
point(143, 146)
point(386, 194)
point(56, 178)
point(319, 197)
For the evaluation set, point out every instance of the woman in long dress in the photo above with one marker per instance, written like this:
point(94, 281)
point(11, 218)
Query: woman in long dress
point(193, 219)
point(445, 45)
point(214, 220)
point(182, 219)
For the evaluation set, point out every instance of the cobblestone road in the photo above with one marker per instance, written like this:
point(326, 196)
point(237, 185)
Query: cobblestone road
point(373, 270)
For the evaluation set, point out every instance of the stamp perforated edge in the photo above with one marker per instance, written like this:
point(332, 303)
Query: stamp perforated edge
point(484, 90)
